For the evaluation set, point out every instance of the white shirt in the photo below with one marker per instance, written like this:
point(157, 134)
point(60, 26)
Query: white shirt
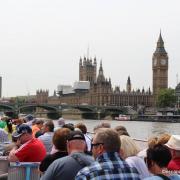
point(139, 164)
point(46, 139)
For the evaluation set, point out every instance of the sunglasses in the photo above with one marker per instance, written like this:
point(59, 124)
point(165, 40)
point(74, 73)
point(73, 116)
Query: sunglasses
point(96, 144)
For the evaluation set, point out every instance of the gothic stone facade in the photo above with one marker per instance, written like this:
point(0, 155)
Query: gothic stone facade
point(101, 92)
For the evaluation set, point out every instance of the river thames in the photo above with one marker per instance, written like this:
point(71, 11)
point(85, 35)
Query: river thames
point(136, 129)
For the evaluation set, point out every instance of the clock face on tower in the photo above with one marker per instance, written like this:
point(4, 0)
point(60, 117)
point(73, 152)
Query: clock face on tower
point(163, 61)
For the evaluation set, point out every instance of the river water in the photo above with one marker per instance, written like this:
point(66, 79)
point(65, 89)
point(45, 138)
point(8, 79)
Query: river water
point(136, 129)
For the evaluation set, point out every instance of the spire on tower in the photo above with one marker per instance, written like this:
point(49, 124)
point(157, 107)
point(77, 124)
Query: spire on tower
point(160, 45)
point(88, 52)
point(95, 61)
point(149, 90)
point(100, 68)
point(129, 81)
point(101, 74)
point(128, 85)
point(80, 61)
point(160, 40)
point(54, 93)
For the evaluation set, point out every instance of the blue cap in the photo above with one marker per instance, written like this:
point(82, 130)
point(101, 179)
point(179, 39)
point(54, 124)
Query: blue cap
point(22, 129)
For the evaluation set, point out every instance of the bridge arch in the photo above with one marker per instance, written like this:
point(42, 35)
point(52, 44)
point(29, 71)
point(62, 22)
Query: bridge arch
point(43, 106)
point(6, 106)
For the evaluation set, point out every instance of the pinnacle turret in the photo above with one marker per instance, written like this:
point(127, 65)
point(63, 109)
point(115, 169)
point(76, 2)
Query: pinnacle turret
point(100, 68)
point(128, 85)
point(80, 61)
point(160, 45)
point(95, 61)
point(129, 81)
point(101, 74)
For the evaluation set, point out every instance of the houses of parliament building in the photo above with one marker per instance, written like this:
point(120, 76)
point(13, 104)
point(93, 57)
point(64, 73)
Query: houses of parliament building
point(96, 89)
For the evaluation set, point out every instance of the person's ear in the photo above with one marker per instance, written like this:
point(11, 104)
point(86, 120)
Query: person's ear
point(101, 149)
point(121, 152)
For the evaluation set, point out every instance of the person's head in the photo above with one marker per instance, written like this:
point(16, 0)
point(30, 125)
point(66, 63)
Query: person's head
point(18, 122)
point(105, 140)
point(76, 142)
point(128, 147)
point(33, 122)
point(152, 141)
point(158, 157)
point(82, 127)
point(61, 122)
point(101, 125)
point(60, 139)
point(48, 126)
point(29, 117)
point(23, 133)
point(121, 130)
point(39, 123)
point(174, 145)
point(69, 126)
point(163, 138)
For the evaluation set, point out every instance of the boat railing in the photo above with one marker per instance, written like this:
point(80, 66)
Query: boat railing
point(24, 171)
point(4, 164)
point(141, 143)
point(18, 170)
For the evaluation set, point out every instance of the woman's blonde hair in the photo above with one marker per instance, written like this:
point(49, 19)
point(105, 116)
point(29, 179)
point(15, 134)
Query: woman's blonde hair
point(152, 141)
point(163, 138)
point(128, 146)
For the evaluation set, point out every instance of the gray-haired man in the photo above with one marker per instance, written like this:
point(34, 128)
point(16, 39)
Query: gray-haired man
point(108, 164)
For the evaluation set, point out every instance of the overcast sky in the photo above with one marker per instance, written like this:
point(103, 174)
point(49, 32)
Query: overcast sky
point(41, 41)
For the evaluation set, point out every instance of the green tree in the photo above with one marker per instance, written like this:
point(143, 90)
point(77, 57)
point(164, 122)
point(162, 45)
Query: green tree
point(166, 98)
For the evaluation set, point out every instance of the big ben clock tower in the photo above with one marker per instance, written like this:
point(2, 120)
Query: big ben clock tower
point(160, 67)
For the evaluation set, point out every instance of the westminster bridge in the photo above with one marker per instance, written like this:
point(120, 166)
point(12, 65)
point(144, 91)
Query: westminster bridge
point(55, 111)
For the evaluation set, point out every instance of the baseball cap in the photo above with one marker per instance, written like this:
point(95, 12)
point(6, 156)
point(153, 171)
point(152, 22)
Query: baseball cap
point(23, 128)
point(75, 135)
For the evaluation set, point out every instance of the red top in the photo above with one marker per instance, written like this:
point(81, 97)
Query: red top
point(174, 164)
point(32, 151)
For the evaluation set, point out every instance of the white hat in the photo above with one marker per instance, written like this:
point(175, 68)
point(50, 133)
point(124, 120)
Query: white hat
point(174, 142)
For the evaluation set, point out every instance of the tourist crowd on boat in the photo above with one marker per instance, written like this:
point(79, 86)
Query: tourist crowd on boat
point(67, 151)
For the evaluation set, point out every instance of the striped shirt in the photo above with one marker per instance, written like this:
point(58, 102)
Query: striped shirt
point(108, 166)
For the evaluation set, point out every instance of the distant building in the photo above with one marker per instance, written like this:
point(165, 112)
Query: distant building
point(97, 90)
point(87, 70)
point(100, 92)
point(160, 67)
point(65, 89)
point(42, 96)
